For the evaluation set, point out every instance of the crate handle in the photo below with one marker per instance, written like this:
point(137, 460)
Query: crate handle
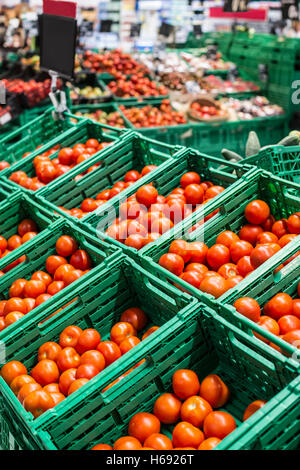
point(158, 293)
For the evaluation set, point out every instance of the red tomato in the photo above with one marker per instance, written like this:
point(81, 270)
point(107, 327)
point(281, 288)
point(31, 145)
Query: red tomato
point(120, 331)
point(143, 425)
point(127, 443)
point(279, 306)
point(181, 248)
point(159, 442)
point(218, 255)
point(167, 408)
point(209, 443)
point(55, 287)
point(185, 383)
point(198, 251)
point(136, 317)
point(239, 249)
point(49, 350)
point(87, 371)
point(26, 390)
point(128, 344)
point(38, 402)
point(192, 277)
point(293, 337)
point(194, 194)
point(19, 381)
point(93, 357)
point(150, 332)
point(17, 288)
point(268, 324)
point(147, 195)
point(53, 262)
point(280, 228)
point(293, 223)
point(34, 288)
point(187, 435)
point(248, 307)
point(68, 358)
point(214, 285)
point(147, 169)
point(88, 340)
point(194, 410)
point(253, 408)
point(250, 233)
point(66, 379)
point(42, 276)
point(214, 391)
point(218, 424)
point(69, 336)
point(172, 262)
point(66, 246)
point(228, 270)
point(257, 212)
point(78, 383)
point(101, 447)
point(266, 237)
point(27, 225)
point(110, 350)
point(227, 238)
point(189, 178)
point(45, 372)
point(244, 266)
point(288, 323)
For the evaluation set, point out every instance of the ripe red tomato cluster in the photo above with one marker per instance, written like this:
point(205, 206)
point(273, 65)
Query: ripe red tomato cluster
point(25, 295)
point(90, 204)
point(114, 62)
point(217, 269)
point(33, 90)
point(136, 85)
point(281, 316)
point(191, 406)
point(66, 366)
point(204, 111)
point(146, 215)
point(47, 170)
point(151, 116)
point(27, 229)
point(5, 164)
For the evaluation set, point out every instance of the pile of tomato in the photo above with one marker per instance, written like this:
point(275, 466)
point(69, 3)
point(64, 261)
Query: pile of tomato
point(191, 408)
point(113, 62)
point(27, 229)
point(90, 204)
point(79, 355)
point(151, 116)
point(136, 85)
point(146, 215)
point(217, 269)
point(4, 164)
point(47, 170)
point(62, 269)
point(281, 316)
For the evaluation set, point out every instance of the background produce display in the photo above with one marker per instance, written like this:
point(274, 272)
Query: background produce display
point(149, 250)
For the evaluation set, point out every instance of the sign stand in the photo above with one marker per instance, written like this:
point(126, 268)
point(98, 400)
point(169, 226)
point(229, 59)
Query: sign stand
point(57, 97)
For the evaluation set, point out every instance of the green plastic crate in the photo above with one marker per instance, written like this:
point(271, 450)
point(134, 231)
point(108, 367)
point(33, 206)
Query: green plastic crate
point(281, 161)
point(37, 250)
point(99, 304)
point(206, 344)
point(168, 178)
point(26, 138)
point(29, 114)
point(131, 153)
point(84, 130)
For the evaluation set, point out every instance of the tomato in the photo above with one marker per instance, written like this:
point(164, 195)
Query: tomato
point(293, 337)
point(209, 443)
point(147, 195)
point(279, 306)
point(2, 306)
point(110, 350)
point(158, 441)
point(267, 237)
point(268, 324)
point(68, 358)
point(219, 424)
point(3, 243)
point(12, 317)
point(45, 372)
point(233, 281)
point(34, 289)
point(127, 443)
point(172, 262)
point(57, 397)
point(150, 238)
point(17, 288)
point(296, 308)
point(185, 383)
point(147, 169)
point(192, 277)
point(61, 272)
point(42, 276)
point(132, 175)
point(244, 266)
point(189, 178)
point(218, 255)
point(66, 246)
point(248, 307)
point(167, 408)
point(253, 408)
point(49, 350)
point(285, 239)
point(142, 425)
point(11, 370)
point(53, 262)
point(88, 339)
point(214, 285)
point(181, 248)
point(38, 402)
point(288, 323)
point(250, 233)
point(78, 383)
point(27, 225)
point(51, 388)
point(198, 267)
point(228, 270)
point(194, 410)
point(19, 381)
point(66, 379)
point(89, 205)
point(14, 242)
point(293, 223)
point(194, 194)
point(257, 212)
point(69, 336)
point(87, 371)
point(28, 236)
point(15, 304)
point(93, 357)
point(187, 435)
point(262, 253)
point(136, 317)
point(198, 251)
point(239, 249)
point(227, 238)
point(101, 447)
point(214, 391)
point(30, 304)
point(120, 331)
point(65, 156)
point(92, 143)
point(26, 390)
point(280, 228)
point(149, 332)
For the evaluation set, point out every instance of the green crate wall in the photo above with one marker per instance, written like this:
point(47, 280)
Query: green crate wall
point(37, 250)
point(204, 344)
point(84, 130)
point(132, 153)
point(168, 178)
point(98, 304)
point(26, 138)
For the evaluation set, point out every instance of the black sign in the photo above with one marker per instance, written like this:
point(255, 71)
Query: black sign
point(166, 29)
point(135, 30)
point(105, 26)
point(235, 6)
point(197, 30)
point(57, 44)
point(290, 9)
